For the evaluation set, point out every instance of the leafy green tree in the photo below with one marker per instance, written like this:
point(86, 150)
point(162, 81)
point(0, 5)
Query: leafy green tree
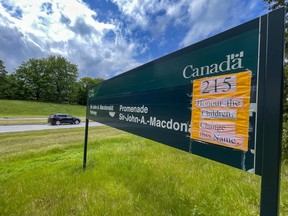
point(60, 80)
point(51, 79)
point(274, 4)
point(83, 86)
point(13, 88)
point(30, 79)
point(3, 81)
point(3, 71)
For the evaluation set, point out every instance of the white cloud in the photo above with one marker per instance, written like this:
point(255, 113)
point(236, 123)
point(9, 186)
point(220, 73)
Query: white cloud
point(198, 18)
point(208, 18)
point(68, 28)
point(103, 46)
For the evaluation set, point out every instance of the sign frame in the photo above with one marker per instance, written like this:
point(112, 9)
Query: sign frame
point(269, 104)
point(112, 89)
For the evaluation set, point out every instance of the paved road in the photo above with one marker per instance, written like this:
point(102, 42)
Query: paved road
point(20, 128)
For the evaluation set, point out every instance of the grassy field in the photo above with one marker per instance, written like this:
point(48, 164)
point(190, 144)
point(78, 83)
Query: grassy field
point(41, 174)
point(14, 108)
point(13, 112)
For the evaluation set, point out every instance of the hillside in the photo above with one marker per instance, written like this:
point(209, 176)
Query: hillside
point(16, 108)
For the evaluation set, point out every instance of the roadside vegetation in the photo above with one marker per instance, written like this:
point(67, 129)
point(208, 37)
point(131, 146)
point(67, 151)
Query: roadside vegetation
point(15, 112)
point(41, 174)
point(125, 175)
point(52, 79)
point(17, 108)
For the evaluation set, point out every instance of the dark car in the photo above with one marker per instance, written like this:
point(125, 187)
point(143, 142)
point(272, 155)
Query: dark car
point(57, 119)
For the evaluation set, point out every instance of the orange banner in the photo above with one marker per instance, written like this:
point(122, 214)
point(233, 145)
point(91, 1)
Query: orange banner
point(220, 110)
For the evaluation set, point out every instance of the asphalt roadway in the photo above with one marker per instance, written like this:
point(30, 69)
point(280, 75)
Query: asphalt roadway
point(21, 128)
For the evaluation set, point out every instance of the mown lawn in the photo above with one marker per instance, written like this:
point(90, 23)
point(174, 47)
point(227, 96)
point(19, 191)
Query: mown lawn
point(16, 108)
point(41, 174)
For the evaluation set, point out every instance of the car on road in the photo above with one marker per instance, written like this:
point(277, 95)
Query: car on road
point(57, 119)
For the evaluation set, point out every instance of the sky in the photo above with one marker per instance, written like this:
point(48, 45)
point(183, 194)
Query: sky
point(108, 37)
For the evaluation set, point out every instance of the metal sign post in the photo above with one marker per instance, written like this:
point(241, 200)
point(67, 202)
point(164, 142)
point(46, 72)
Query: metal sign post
point(85, 143)
point(272, 118)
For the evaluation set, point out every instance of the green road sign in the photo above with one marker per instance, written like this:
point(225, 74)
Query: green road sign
point(220, 98)
point(155, 100)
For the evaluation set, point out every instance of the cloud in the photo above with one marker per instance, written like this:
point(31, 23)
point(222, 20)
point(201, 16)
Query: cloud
point(198, 18)
point(68, 28)
point(211, 17)
point(106, 41)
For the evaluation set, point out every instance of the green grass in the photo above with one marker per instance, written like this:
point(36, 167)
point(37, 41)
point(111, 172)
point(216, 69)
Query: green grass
point(23, 121)
point(15, 108)
point(41, 174)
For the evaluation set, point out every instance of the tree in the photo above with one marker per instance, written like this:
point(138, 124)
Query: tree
point(13, 88)
point(3, 81)
point(83, 86)
point(274, 4)
point(52, 79)
point(60, 80)
point(3, 71)
point(30, 79)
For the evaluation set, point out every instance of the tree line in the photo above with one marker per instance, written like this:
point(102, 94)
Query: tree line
point(52, 79)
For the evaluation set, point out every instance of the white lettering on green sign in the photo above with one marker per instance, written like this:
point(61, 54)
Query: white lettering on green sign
point(232, 62)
